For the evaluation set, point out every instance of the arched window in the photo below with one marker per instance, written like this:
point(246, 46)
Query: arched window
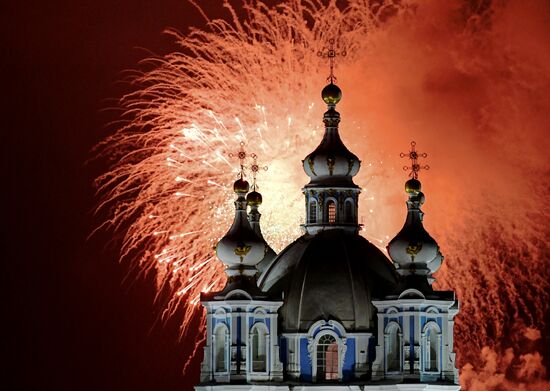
point(331, 211)
point(393, 349)
point(327, 358)
point(220, 349)
point(349, 211)
point(259, 349)
point(312, 212)
point(431, 350)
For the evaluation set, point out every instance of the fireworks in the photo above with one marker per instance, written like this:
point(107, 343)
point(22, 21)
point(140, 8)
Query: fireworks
point(256, 78)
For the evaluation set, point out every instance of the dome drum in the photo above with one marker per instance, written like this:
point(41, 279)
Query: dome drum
point(331, 208)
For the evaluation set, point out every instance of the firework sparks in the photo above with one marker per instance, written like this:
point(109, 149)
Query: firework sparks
point(256, 79)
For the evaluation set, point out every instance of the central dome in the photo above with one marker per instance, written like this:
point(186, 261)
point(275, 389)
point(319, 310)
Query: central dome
point(330, 275)
point(331, 163)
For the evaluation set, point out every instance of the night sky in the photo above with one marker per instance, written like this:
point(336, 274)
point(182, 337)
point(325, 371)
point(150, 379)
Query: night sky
point(73, 322)
point(77, 319)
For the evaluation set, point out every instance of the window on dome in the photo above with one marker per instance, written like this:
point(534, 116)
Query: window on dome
point(349, 211)
point(220, 349)
point(259, 348)
point(331, 208)
point(431, 351)
point(327, 358)
point(312, 212)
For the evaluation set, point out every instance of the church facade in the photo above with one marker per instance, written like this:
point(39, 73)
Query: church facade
point(330, 311)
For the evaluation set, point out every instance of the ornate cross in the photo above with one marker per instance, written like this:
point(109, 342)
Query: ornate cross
point(241, 155)
point(255, 167)
point(331, 53)
point(415, 167)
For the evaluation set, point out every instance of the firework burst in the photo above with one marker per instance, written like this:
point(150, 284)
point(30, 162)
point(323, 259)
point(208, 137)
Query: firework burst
point(255, 78)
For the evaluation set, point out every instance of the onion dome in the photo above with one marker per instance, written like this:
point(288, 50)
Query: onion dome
point(413, 250)
point(331, 163)
point(240, 249)
point(254, 200)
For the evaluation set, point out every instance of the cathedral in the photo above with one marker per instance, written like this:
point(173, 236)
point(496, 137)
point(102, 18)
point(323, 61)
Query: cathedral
point(330, 311)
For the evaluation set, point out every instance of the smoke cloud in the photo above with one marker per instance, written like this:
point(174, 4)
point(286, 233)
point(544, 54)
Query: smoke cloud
point(469, 81)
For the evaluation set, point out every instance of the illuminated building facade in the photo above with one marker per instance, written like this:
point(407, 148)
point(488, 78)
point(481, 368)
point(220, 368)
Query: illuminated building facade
point(331, 311)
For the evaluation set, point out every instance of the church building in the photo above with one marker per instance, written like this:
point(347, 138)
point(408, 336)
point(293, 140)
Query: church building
point(331, 311)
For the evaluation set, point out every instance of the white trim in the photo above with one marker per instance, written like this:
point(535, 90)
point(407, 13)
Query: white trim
point(226, 350)
point(413, 291)
point(425, 342)
point(312, 200)
point(258, 325)
point(388, 331)
point(431, 310)
point(237, 292)
point(315, 332)
point(312, 349)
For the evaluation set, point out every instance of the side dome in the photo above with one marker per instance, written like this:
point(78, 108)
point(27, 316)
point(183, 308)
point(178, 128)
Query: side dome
point(413, 250)
point(240, 248)
point(331, 275)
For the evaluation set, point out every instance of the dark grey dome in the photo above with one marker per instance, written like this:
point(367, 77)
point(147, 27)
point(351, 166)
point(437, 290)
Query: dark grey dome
point(330, 275)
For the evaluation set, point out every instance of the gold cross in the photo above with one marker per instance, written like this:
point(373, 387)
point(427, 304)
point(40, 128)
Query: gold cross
point(241, 155)
point(415, 167)
point(331, 53)
point(255, 168)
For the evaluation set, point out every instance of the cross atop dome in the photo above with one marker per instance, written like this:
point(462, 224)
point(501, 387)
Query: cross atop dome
point(241, 155)
point(413, 155)
point(330, 52)
point(255, 168)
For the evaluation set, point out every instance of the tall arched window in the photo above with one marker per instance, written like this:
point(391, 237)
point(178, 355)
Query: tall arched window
point(393, 349)
point(220, 349)
point(349, 211)
point(331, 211)
point(327, 358)
point(312, 212)
point(432, 349)
point(259, 349)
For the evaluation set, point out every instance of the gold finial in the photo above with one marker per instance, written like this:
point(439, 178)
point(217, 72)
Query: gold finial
point(415, 167)
point(240, 185)
point(331, 53)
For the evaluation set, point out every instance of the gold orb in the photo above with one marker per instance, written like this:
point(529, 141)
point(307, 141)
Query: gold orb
point(254, 198)
point(241, 186)
point(412, 186)
point(421, 198)
point(331, 94)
